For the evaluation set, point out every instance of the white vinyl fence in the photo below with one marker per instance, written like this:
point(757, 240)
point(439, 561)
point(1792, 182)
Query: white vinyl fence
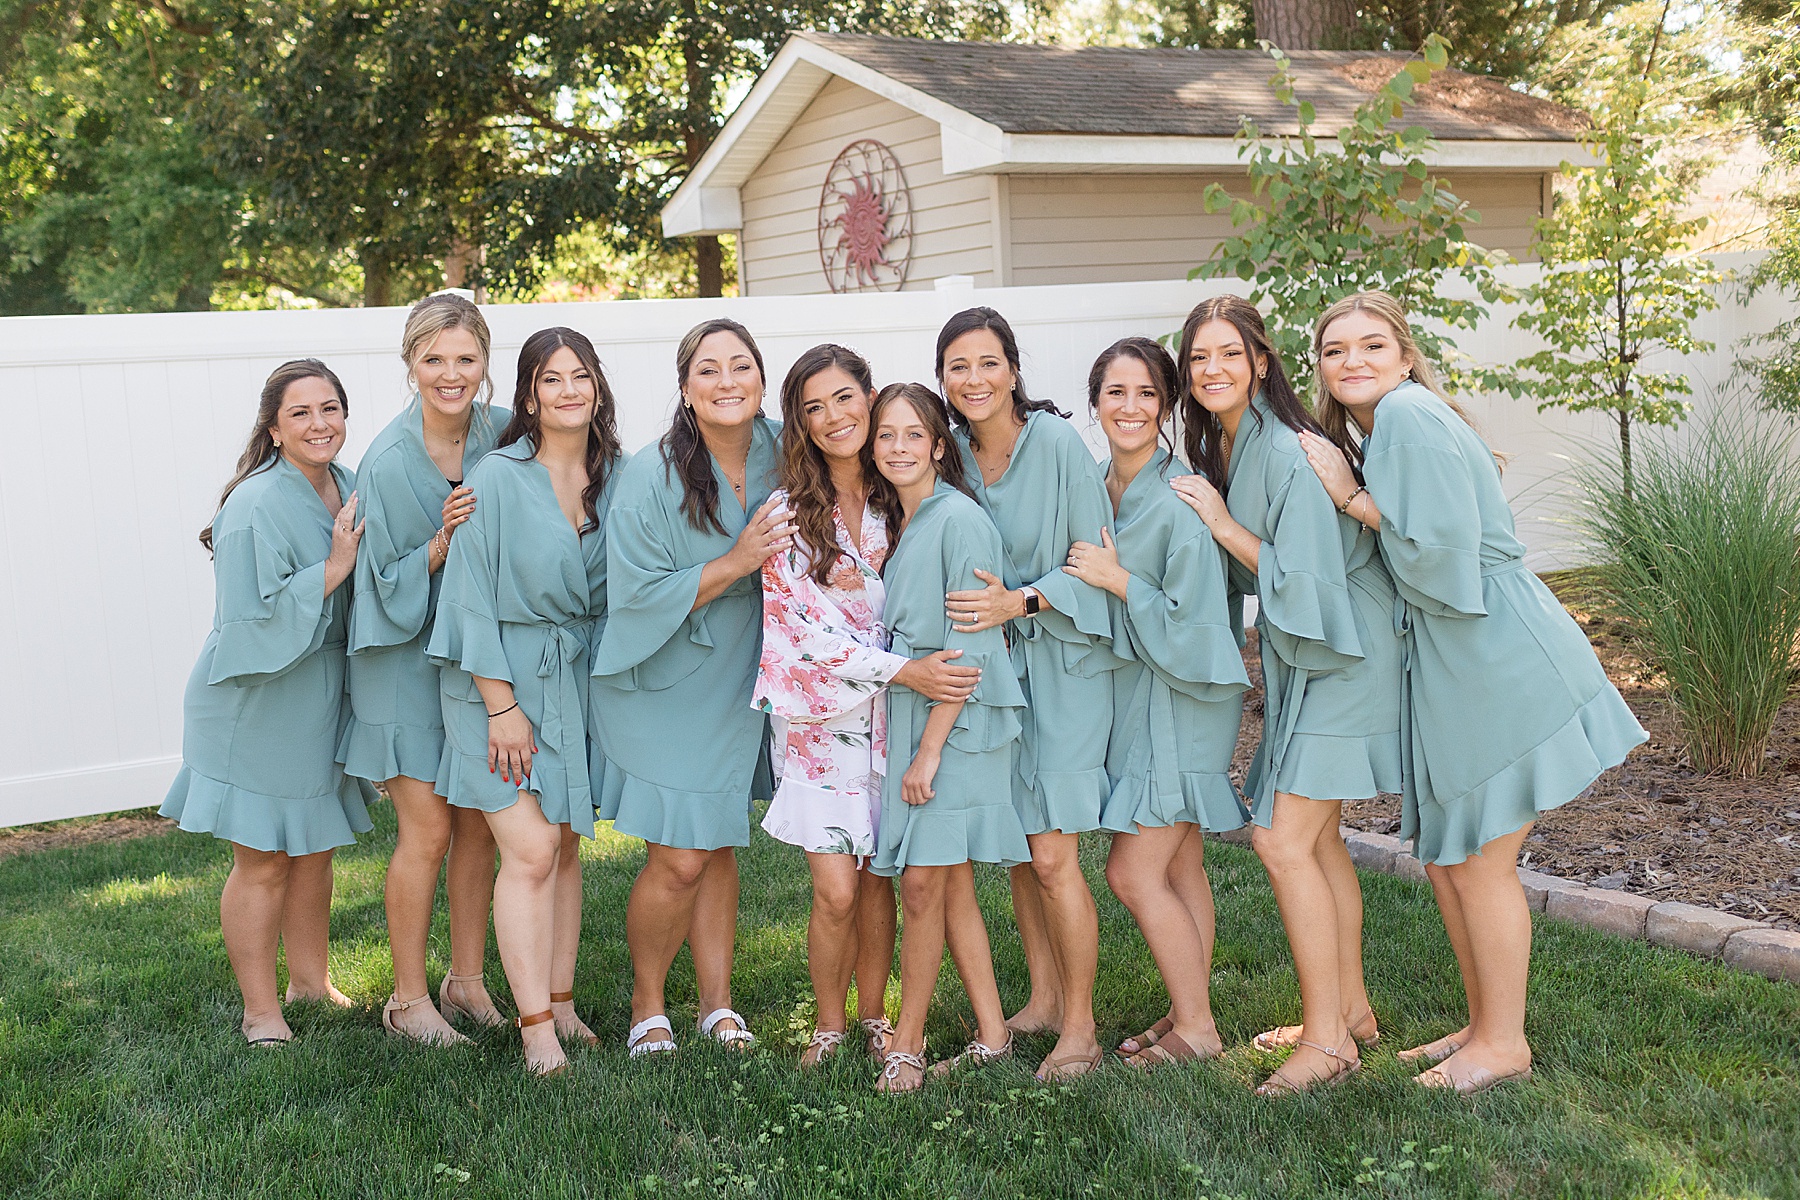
point(121, 429)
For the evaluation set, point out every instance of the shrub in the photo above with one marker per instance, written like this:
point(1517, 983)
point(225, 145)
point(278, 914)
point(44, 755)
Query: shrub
point(1702, 565)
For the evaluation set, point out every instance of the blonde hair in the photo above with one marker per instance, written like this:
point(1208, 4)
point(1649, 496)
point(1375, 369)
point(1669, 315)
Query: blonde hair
point(1333, 417)
point(435, 314)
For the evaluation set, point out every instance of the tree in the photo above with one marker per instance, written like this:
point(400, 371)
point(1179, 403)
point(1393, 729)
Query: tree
point(1619, 286)
point(1772, 70)
point(1305, 24)
point(1366, 213)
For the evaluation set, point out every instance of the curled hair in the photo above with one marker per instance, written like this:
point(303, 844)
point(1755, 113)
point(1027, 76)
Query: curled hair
point(1202, 434)
point(260, 452)
point(1156, 360)
point(935, 415)
point(968, 321)
point(436, 314)
point(1334, 418)
point(684, 451)
point(602, 432)
point(804, 472)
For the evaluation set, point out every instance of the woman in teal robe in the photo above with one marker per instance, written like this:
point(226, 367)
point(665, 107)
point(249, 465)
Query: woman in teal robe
point(946, 796)
point(1034, 475)
point(1508, 712)
point(413, 501)
point(1330, 661)
point(522, 592)
point(265, 705)
point(675, 671)
point(1177, 700)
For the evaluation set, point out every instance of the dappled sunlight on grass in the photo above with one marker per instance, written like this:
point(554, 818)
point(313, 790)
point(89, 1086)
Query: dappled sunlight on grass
point(118, 893)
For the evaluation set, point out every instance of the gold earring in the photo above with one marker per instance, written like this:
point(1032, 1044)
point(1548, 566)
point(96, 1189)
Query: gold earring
point(531, 410)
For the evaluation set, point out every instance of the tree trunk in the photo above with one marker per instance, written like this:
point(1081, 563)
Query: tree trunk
point(697, 135)
point(378, 281)
point(1625, 450)
point(464, 257)
point(709, 266)
point(1305, 24)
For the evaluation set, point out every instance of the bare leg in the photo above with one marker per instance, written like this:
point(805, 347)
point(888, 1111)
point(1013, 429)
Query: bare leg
point(967, 934)
point(567, 940)
point(306, 929)
point(1456, 926)
point(1346, 896)
point(875, 929)
point(657, 919)
point(1074, 926)
point(921, 955)
point(470, 883)
point(412, 876)
point(525, 920)
point(1140, 870)
point(250, 918)
point(1043, 1008)
point(1499, 931)
point(831, 940)
point(712, 939)
point(1309, 914)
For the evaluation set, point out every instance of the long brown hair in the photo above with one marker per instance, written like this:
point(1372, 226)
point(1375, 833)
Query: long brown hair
point(603, 431)
point(804, 472)
point(1334, 418)
point(432, 316)
point(1201, 433)
point(1156, 360)
point(260, 452)
point(684, 451)
point(968, 321)
point(935, 415)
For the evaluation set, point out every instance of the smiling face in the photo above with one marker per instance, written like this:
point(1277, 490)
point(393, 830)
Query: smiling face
point(1130, 409)
point(904, 452)
point(977, 379)
point(1221, 369)
point(1360, 361)
point(448, 372)
point(564, 393)
point(723, 384)
point(836, 412)
point(309, 425)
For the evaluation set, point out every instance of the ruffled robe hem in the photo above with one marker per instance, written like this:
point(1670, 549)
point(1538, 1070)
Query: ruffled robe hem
point(943, 837)
point(380, 752)
point(293, 825)
point(1062, 801)
point(1207, 799)
point(1319, 766)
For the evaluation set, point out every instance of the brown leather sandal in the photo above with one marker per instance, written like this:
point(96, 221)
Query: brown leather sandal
point(1069, 1067)
point(523, 1022)
point(1143, 1041)
point(1170, 1049)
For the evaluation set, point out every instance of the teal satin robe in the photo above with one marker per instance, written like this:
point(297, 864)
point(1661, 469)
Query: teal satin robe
point(1179, 697)
point(671, 702)
point(1330, 653)
point(1508, 712)
point(265, 704)
point(971, 818)
point(521, 596)
point(1051, 496)
point(396, 715)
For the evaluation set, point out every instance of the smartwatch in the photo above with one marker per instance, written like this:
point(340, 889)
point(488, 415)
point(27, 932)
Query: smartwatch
point(1033, 601)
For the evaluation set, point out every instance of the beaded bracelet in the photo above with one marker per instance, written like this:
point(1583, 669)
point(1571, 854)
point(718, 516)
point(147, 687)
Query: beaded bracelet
point(1351, 499)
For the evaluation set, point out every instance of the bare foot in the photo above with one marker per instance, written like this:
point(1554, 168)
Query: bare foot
point(325, 995)
point(569, 1025)
point(266, 1029)
point(1478, 1067)
point(1035, 1018)
point(544, 1054)
point(1438, 1051)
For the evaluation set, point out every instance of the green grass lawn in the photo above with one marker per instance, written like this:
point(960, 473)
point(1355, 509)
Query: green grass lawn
point(122, 1072)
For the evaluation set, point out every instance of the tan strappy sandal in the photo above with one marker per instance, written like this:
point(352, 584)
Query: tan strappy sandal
point(1341, 1069)
point(1285, 1037)
point(396, 1005)
point(975, 1054)
point(491, 1019)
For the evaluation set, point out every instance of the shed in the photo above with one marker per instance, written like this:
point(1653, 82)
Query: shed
point(859, 162)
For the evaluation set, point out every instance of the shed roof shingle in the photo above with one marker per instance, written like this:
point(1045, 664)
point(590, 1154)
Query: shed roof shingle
point(1192, 93)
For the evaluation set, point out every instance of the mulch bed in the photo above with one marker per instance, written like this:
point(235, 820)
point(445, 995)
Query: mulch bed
point(82, 832)
point(1653, 826)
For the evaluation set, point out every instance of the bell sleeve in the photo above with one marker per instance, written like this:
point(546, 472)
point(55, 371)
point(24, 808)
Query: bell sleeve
point(649, 599)
point(990, 717)
point(1183, 629)
point(393, 585)
point(1301, 587)
point(813, 669)
point(1430, 521)
point(272, 609)
point(467, 631)
point(1078, 611)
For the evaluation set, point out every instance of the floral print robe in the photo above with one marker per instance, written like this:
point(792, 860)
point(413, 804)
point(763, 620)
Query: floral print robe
point(823, 669)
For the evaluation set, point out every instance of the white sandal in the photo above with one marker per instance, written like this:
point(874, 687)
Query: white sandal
point(740, 1038)
point(878, 1030)
point(891, 1062)
point(827, 1043)
point(638, 1042)
point(977, 1054)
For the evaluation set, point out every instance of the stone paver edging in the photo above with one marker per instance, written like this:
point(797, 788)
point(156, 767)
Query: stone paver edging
point(1744, 945)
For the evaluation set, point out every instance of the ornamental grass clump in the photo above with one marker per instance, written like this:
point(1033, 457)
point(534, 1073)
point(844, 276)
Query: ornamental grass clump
point(1702, 565)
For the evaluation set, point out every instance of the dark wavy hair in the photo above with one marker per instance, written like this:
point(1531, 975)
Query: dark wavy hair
point(1156, 360)
point(968, 321)
point(603, 431)
point(684, 451)
point(804, 472)
point(936, 415)
point(260, 452)
point(1202, 435)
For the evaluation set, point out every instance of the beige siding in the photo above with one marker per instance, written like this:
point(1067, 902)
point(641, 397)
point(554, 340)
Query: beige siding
point(953, 218)
point(1113, 228)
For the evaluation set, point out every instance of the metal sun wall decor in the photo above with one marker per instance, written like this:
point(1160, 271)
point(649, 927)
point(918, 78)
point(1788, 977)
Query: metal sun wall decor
point(865, 220)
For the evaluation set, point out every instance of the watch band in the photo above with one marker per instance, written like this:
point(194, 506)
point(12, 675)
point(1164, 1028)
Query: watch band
point(1033, 602)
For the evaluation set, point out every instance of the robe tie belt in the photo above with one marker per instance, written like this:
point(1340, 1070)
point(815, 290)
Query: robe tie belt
point(564, 723)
